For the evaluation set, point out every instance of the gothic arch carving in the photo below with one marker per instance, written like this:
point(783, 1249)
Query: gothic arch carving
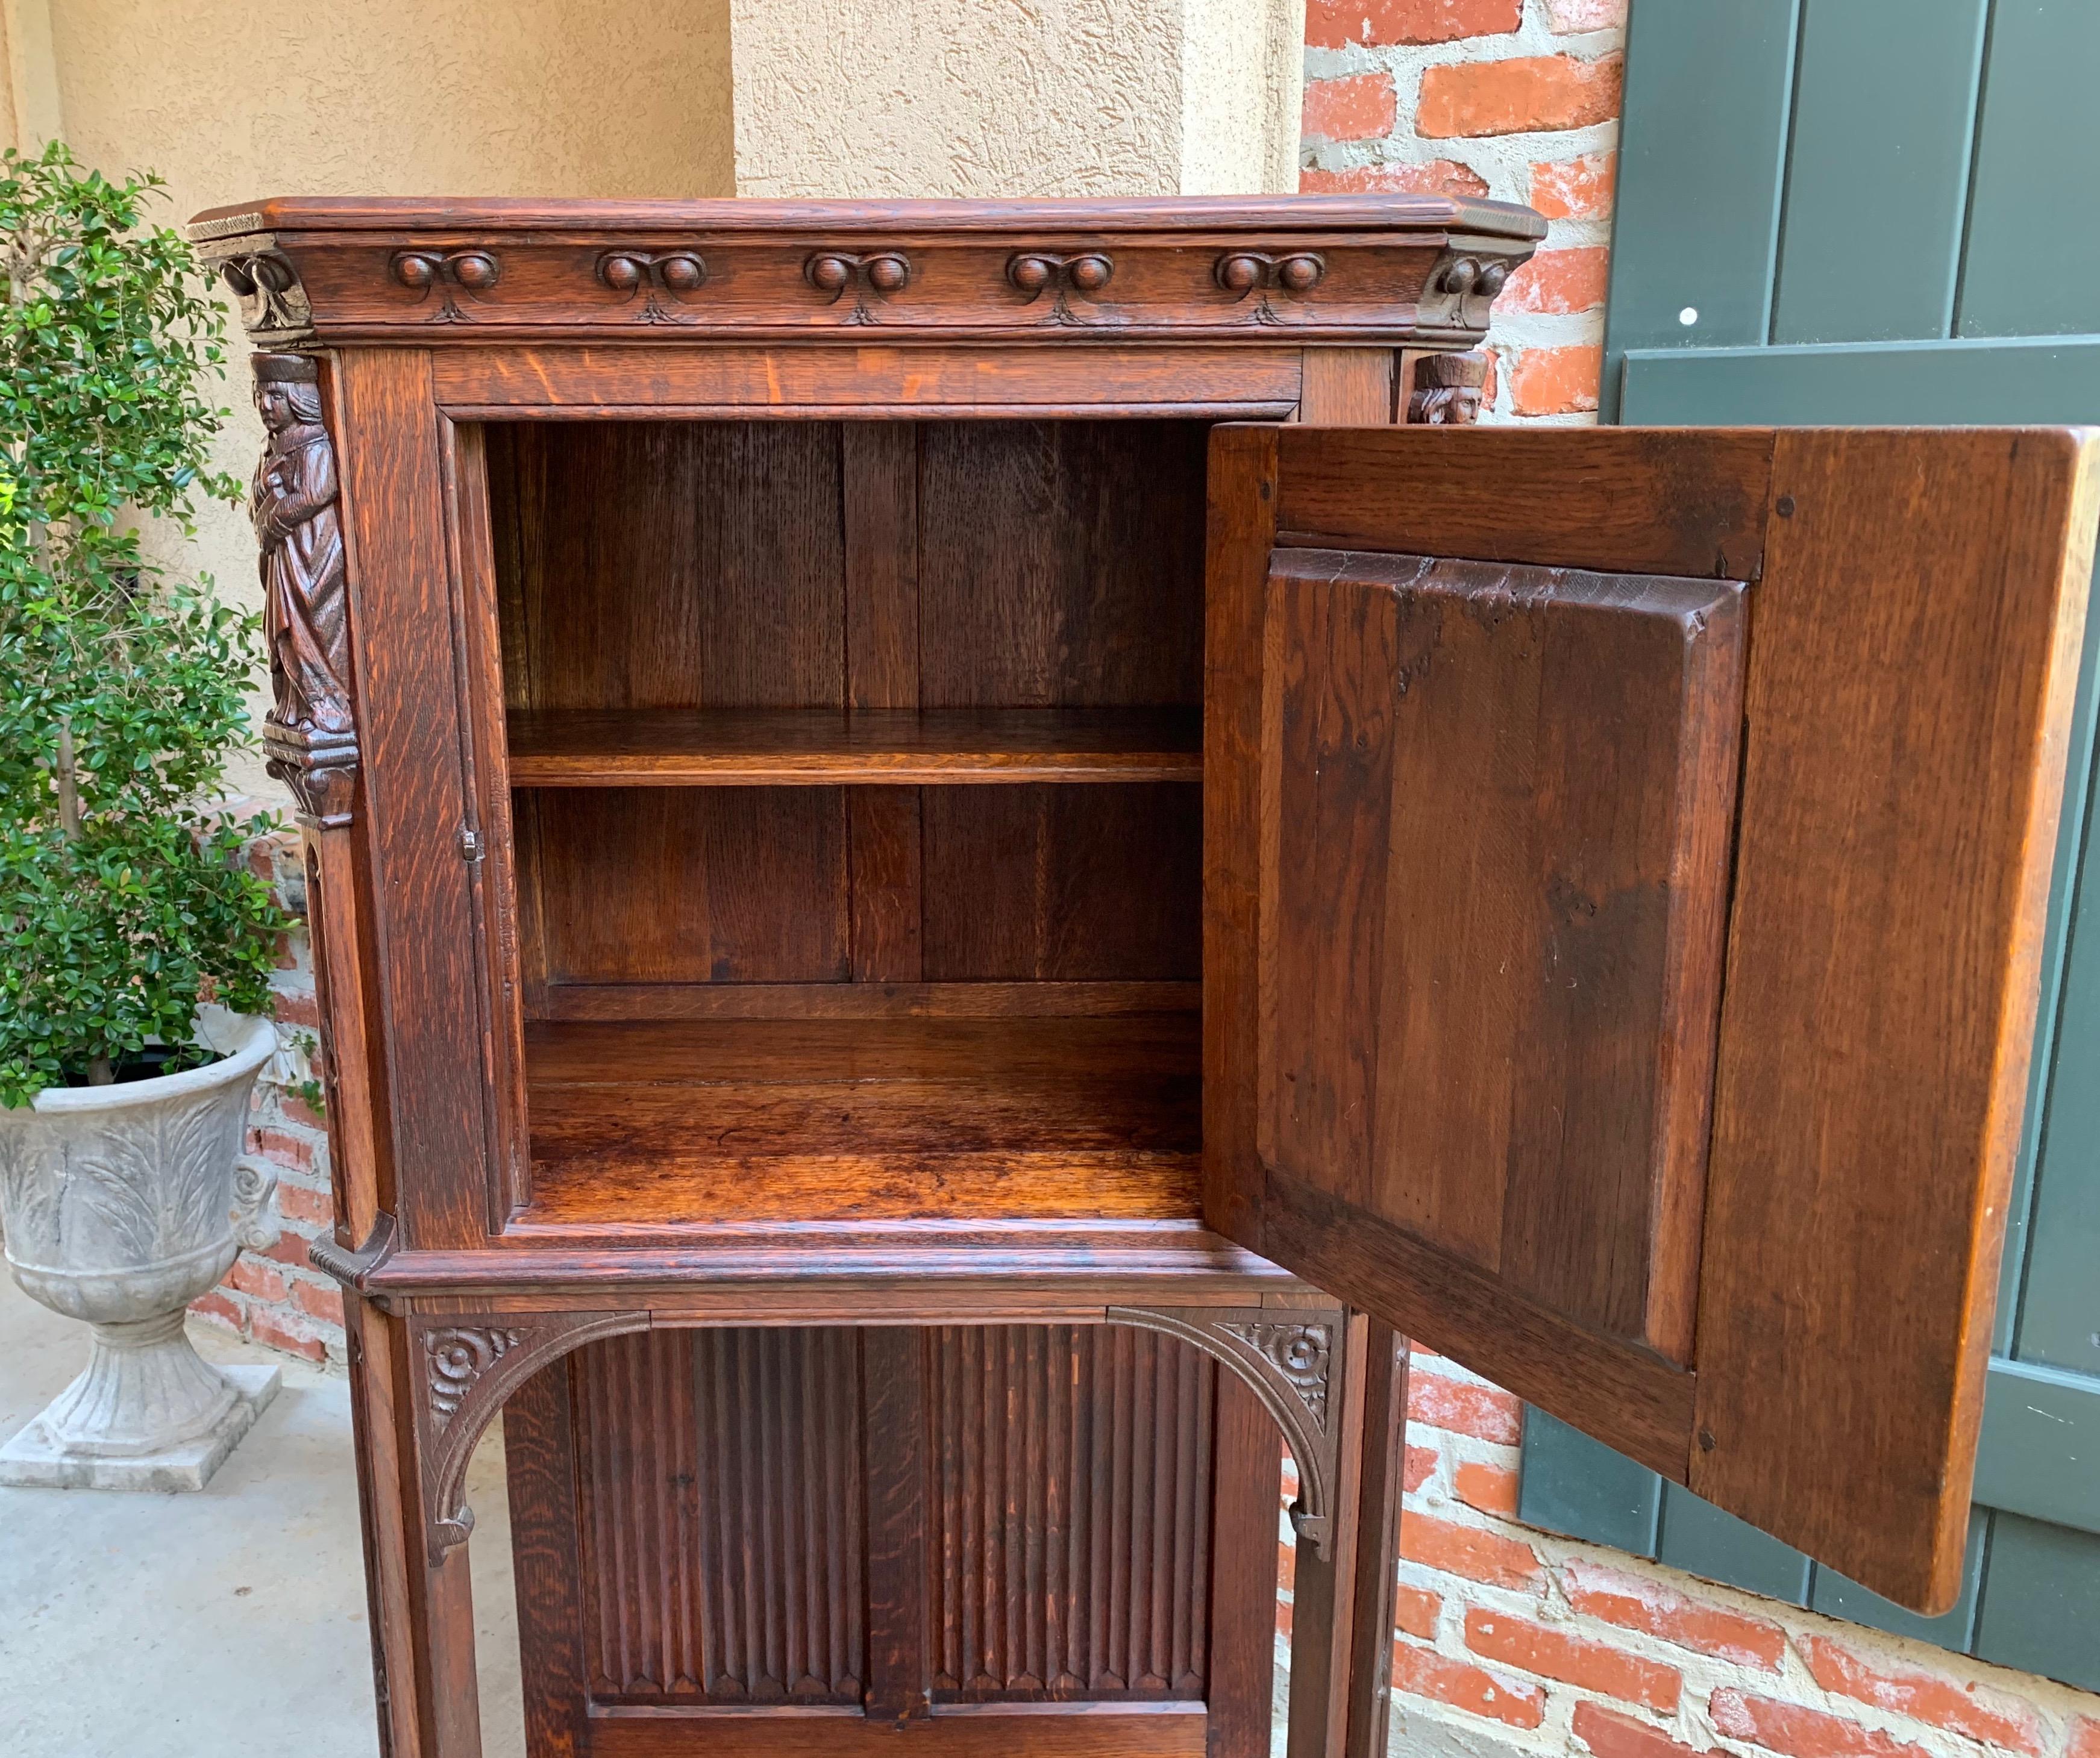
point(1289, 1357)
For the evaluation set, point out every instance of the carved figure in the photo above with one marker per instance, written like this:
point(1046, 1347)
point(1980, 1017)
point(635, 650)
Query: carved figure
point(299, 528)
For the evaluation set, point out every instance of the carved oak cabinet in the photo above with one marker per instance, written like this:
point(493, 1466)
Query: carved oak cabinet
point(960, 856)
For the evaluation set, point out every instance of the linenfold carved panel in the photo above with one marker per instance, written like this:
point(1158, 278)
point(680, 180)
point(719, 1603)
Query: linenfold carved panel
point(1070, 1530)
point(721, 1527)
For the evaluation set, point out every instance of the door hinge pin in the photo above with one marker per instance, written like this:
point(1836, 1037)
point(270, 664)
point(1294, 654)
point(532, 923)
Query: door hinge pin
point(470, 844)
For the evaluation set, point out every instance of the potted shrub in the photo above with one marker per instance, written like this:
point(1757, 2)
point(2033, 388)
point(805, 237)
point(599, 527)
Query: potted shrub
point(135, 945)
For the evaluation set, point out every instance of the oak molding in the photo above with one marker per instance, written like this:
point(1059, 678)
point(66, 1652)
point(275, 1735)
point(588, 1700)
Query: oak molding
point(1399, 268)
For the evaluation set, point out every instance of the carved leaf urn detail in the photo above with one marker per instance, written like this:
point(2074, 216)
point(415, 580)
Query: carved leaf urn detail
point(122, 1204)
point(310, 734)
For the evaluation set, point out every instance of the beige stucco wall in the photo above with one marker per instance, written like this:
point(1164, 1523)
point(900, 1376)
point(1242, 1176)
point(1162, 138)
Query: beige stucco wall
point(228, 101)
point(975, 98)
point(983, 98)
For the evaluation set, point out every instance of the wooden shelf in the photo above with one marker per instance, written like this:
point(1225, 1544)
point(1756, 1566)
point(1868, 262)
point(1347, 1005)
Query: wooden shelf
point(653, 1125)
point(770, 747)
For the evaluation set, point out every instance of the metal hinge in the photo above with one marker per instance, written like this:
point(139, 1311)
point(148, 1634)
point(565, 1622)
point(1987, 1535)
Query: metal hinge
point(470, 844)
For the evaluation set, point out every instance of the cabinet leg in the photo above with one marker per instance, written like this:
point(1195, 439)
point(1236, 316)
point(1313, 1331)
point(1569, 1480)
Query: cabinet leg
point(1341, 1643)
point(422, 1610)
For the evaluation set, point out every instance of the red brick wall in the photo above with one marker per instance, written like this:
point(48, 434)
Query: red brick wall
point(274, 1296)
point(1518, 99)
point(1510, 1640)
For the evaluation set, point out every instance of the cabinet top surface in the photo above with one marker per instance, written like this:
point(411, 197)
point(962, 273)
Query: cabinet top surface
point(482, 215)
point(1378, 270)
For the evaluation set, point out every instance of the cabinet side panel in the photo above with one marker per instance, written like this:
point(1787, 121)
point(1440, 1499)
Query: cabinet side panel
point(1071, 1536)
point(1912, 661)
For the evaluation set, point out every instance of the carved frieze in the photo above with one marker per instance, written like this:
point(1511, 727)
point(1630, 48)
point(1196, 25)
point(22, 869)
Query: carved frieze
point(1462, 286)
point(1031, 273)
point(310, 734)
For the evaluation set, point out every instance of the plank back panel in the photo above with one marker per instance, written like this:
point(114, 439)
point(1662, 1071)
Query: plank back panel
point(1495, 806)
point(1908, 695)
point(1061, 564)
point(1070, 1538)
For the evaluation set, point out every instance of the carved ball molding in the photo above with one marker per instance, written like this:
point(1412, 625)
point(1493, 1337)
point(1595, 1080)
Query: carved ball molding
point(831, 271)
point(678, 271)
point(1031, 271)
point(1240, 272)
point(477, 270)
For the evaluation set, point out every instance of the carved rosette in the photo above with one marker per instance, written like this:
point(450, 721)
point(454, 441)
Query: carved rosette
point(1448, 389)
point(310, 734)
point(1290, 1364)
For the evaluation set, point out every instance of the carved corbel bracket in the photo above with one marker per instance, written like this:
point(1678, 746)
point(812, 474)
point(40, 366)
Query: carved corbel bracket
point(273, 304)
point(310, 734)
point(884, 273)
point(1462, 287)
point(1448, 389)
point(1289, 1358)
point(464, 1367)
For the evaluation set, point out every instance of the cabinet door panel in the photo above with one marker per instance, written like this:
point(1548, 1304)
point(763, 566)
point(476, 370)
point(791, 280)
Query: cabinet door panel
point(1479, 888)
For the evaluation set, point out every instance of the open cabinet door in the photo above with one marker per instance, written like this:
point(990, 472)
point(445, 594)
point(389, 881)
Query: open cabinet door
point(1625, 855)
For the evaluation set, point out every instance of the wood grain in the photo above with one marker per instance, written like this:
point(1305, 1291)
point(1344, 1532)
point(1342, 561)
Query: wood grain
point(868, 748)
point(1914, 653)
point(1495, 806)
point(709, 1122)
point(539, 1460)
point(1625, 500)
point(1241, 532)
point(866, 999)
point(1246, 1491)
point(1347, 386)
point(1002, 1730)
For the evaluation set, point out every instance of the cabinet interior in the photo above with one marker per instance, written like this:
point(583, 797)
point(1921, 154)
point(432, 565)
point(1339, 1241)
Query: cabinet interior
point(856, 817)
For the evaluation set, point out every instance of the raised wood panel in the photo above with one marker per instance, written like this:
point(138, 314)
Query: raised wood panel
point(1913, 660)
point(720, 1511)
point(1070, 1536)
point(1496, 803)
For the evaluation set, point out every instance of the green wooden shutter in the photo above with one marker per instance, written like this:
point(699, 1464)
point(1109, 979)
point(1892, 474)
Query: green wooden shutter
point(1831, 211)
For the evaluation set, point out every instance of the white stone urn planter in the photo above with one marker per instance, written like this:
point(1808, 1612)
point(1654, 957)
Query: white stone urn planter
point(119, 1207)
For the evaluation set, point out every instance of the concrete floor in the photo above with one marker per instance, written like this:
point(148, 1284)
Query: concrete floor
point(228, 1620)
